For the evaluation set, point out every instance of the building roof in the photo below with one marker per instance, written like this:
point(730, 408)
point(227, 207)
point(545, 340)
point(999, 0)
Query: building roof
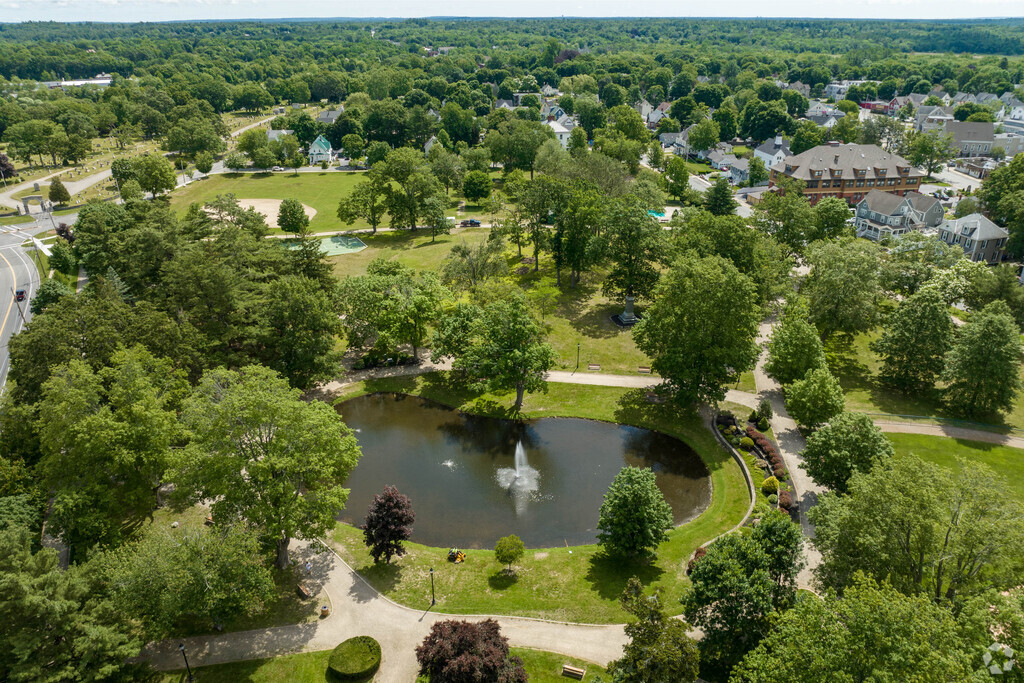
point(885, 203)
point(850, 161)
point(319, 145)
point(557, 127)
point(273, 134)
point(921, 202)
point(773, 145)
point(971, 131)
point(976, 227)
point(740, 165)
point(330, 115)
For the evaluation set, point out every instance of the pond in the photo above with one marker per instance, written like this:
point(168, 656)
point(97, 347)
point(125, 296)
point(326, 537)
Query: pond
point(460, 471)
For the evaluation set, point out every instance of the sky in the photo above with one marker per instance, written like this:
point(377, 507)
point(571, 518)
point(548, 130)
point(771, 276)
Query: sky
point(177, 10)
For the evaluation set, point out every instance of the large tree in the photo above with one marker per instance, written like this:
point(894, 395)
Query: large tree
point(659, 648)
point(574, 243)
point(700, 330)
point(872, 632)
point(678, 177)
point(264, 456)
point(982, 372)
point(843, 287)
point(57, 624)
point(794, 347)
point(849, 443)
point(635, 245)
point(634, 517)
point(931, 150)
point(301, 332)
point(500, 347)
point(367, 201)
point(173, 578)
point(291, 216)
point(154, 173)
point(915, 341)
point(388, 524)
point(926, 529)
point(718, 199)
point(786, 215)
point(740, 586)
point(105, 438)
point(815, 399)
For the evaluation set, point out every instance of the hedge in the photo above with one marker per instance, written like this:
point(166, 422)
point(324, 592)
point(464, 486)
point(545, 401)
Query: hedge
point(355, 659)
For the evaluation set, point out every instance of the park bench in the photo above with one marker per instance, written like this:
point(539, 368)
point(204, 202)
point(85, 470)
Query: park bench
point(573, 672)
point(304, 592)
point(643, 370)
point(593, 366)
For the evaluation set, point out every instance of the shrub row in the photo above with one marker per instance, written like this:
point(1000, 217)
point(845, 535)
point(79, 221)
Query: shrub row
point(770, 453)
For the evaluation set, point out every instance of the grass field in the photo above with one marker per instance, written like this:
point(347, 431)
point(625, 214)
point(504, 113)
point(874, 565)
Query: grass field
point(412, 249)
point(572, 584)
point(944, 451)
point(856, 367)
point(311, 667)
point(321, 190)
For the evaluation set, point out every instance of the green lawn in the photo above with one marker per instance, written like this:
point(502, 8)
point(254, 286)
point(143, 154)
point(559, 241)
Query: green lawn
point(944, 451)
point(322, 191)
point(310, 667)
point(413, 249)
point(856, 367)
point(14, 220)
point(572, 584)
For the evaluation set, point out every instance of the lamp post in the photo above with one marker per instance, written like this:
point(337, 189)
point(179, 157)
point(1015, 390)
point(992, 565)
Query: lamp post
point(191, 678)
point(432, 600)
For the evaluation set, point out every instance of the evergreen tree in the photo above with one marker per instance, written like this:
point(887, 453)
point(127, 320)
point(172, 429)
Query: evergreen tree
point(58, 194)
point(634, 517)
point(719, 198)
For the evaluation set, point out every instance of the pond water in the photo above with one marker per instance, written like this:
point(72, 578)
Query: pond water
point(468, 490)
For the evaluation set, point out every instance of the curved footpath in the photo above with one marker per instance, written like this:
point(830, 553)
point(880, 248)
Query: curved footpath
point(357, 608)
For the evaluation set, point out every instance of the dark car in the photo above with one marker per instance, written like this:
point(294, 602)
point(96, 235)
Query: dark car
point(20, 295)
point(470, 223)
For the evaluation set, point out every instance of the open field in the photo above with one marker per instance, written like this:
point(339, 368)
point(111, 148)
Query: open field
point(856, 367)
point(944, 451)
point(572, 584)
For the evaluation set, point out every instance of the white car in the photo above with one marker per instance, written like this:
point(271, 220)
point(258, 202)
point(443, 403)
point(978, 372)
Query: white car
point(277, 168)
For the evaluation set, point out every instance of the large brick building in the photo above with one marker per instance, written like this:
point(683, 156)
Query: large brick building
point(849, 172)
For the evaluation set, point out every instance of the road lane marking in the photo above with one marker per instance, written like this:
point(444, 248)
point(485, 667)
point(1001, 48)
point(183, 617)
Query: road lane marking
point(14, 281)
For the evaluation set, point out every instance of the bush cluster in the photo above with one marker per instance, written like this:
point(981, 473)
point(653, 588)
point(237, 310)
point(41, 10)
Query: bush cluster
point(355, 659)
point(746, 443)
point(770, 486)
point(770, 453)
point(785, 500)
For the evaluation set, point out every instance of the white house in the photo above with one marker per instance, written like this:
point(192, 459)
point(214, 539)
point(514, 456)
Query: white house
point(320, 150)
point(773, 152)
point(561, 132)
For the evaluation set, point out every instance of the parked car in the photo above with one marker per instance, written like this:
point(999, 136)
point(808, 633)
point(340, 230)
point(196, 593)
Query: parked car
point(277, 168)
point(470, 223)
point(20, 295)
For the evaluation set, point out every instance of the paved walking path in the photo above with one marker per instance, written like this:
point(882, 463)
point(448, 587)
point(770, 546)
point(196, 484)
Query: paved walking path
point(358, 609)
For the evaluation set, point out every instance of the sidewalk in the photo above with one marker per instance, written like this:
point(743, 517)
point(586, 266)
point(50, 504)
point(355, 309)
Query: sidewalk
point(358, 609)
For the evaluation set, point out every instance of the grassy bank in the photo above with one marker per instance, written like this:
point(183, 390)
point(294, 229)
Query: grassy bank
point(945, 451)
point(571, 584)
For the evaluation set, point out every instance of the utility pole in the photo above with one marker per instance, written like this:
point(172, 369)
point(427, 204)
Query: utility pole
point(18, 303)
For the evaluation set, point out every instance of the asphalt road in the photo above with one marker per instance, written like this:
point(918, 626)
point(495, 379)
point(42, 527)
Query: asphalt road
point(16, 272)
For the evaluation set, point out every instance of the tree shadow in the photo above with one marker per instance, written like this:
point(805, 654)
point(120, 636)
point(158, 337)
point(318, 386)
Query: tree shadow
point(502, 579)
point(382, 576)
point(596, 322)
point(609, 574)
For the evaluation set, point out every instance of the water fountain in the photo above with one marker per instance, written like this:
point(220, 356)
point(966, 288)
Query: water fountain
point(521, 482)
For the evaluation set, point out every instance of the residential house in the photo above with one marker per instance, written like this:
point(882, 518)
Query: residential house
point(883, 214)
point(517, 97)
point(986, 97)
point(273, 134)
point(719, 160)
point(567, 122)
point(654, 117)
point(739, 171)
point(329, 116)
point(972, 138)
point(548, 91)
point(1011, 143)
point(772, 152)
point(980, 238)
point(940, 94)
point(897, 103)
point(932, 117)
point(644, 108)
point(848, 172)
point(319, 151)
point(721, 147)
point(561, 132)
point(963, 98)
point(976, 167)
point(504, 104)
point(1013, 110)
point(429, 144)
point(816, 107)
point(825, 120)
point(801, 88)
point(837, 89)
